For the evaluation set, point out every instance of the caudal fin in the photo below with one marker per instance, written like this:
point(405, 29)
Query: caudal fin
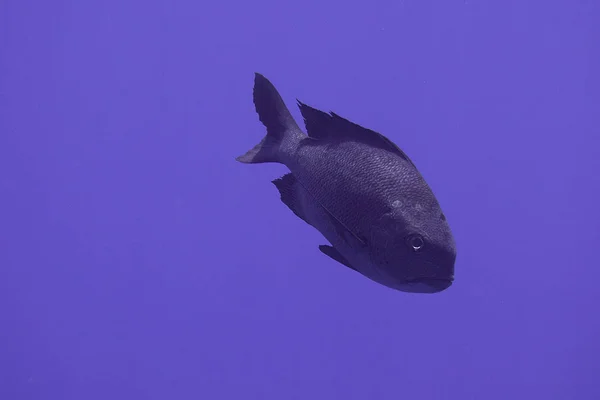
point(274, 114)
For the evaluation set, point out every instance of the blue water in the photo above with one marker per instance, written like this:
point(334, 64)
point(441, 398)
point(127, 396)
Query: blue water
point(138, 260)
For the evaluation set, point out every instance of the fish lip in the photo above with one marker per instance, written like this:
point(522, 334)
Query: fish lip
point(433, 285)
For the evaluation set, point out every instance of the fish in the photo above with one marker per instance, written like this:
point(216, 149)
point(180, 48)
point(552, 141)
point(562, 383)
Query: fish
point(360, 191)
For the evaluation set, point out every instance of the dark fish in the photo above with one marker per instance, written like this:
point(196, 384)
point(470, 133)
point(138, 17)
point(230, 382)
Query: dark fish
point(360, 191)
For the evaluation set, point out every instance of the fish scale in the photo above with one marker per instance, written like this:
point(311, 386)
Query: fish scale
point(322, 171)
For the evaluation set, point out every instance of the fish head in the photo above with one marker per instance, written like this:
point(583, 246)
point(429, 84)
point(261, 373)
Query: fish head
point(413, 250)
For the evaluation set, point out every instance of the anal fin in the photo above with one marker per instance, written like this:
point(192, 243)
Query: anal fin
point(288, 191)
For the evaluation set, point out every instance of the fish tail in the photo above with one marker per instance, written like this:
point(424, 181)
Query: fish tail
point(282, 130)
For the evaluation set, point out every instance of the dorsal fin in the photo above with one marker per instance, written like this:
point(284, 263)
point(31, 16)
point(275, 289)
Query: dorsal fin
point(321, 125)
point(318, 123)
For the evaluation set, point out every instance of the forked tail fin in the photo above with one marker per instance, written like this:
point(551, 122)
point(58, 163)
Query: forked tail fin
point(274, 114)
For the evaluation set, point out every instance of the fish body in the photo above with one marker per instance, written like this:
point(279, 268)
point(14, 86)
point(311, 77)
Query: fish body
point(361, 191)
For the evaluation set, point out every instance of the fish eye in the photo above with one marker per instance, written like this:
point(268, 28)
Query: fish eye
point(416, 242)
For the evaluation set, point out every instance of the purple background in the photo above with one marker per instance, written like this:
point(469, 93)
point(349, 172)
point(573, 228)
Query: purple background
point(138, 260)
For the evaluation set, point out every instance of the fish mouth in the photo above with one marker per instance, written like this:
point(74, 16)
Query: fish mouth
point(428, 285)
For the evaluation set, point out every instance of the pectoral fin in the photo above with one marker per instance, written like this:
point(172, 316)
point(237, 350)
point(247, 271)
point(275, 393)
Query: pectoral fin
point(334, 254)
point(351, 238)
point(289, 188)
